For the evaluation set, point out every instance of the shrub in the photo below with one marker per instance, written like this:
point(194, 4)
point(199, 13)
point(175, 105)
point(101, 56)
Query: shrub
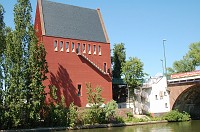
point(129, 115)
point(175, 115)
point(73, 115)
point(110, 110)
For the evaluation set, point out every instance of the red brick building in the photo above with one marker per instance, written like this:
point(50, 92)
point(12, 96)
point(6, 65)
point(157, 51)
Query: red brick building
point(78, 50)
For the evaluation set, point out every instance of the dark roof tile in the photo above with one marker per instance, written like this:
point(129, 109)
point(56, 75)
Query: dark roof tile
point(67, 21)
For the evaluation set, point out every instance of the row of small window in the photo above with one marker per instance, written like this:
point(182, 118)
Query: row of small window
point(66, 47)
point(161, 96)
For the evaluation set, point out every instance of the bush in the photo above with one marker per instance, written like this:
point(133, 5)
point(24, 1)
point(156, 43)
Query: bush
point(110, 111)
point(73, 115)
point(176, 116)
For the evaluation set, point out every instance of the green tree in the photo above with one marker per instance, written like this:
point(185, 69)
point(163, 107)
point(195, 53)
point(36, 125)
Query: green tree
point(16, 65)
point(132, 71)
point(189, 62)
point(25, 69)
point(183, 65)
point(95, 114)
point(119, 57)
point(2, 46)
point(36, 74)
point(94, 97)
point(133, 74)
point(194, 53)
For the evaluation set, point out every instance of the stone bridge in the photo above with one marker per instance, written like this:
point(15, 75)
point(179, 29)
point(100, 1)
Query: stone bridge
point(184, 91)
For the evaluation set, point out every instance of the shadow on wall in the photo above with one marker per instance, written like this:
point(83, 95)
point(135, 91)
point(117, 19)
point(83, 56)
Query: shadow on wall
point(106, 77)
point(64, 84)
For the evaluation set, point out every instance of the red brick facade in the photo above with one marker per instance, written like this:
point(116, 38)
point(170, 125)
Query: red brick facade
point(69, 70)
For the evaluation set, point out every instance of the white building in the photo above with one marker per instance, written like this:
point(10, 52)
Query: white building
point(153, 96)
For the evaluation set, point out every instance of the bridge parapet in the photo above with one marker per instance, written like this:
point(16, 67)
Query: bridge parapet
point(178, 81)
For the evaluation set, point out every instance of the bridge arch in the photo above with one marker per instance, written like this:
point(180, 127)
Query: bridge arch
point(186, 97)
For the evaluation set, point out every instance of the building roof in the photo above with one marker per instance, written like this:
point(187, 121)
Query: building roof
point(118, 81)
point(67, 21)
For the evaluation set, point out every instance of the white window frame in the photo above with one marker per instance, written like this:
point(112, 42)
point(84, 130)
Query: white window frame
point(67, 46)
point(73, 47)
point(61, 45)
point(95, 49)
point(99, 50)
point(55, 45)
point(84, 48)
point(89, 49)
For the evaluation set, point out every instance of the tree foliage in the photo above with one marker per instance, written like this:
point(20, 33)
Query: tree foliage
point(2, 46)
point(189, 62)
point(24, 67)
point(119, 57)
point(94, 97)
point(194, 53)
point(132, 71)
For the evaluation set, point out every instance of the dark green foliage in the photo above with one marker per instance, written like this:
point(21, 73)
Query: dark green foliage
point(119, 57)
point(176, 116)
point(2, 46)
point(24, 68)
point(55, 113)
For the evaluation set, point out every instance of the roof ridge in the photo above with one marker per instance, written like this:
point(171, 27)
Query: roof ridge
point(69, 5)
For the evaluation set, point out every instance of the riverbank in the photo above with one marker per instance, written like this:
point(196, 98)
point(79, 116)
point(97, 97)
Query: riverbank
point(85, 127)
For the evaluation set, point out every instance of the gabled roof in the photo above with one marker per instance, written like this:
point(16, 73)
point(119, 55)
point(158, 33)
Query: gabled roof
point(67, 21)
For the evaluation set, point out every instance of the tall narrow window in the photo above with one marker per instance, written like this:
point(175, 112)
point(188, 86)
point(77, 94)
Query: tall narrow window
point(156, 97)
point(166, 106)
point(79, 48)
point(79, 90)
point(83, 48)
point(104, 67)
point(67, 46)
point(73, 47)
point(61, 45)
point(89, 49)
point(99, 49)
point(94, 49)
point(55, 45)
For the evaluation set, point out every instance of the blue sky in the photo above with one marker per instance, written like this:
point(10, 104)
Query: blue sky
point(142, 25)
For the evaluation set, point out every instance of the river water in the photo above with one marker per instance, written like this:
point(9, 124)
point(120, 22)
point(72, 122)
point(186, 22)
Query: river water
point(191, 126)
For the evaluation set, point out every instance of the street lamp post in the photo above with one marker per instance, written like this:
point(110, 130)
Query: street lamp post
point(162, 67)
point(165, 56)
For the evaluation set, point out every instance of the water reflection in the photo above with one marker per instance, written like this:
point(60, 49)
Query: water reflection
point(191, 126)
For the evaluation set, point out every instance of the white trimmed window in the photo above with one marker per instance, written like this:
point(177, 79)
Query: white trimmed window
point(79, 88)
point(94, 46)
point(73, 47)
point(166, 105)
point(84, 47)
point(99, 50)
point(61, 45)
point(156, 97)
point(55, 45)
point(67, 46)
point(79, 48)
point(89, 49)
point(105, 67)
